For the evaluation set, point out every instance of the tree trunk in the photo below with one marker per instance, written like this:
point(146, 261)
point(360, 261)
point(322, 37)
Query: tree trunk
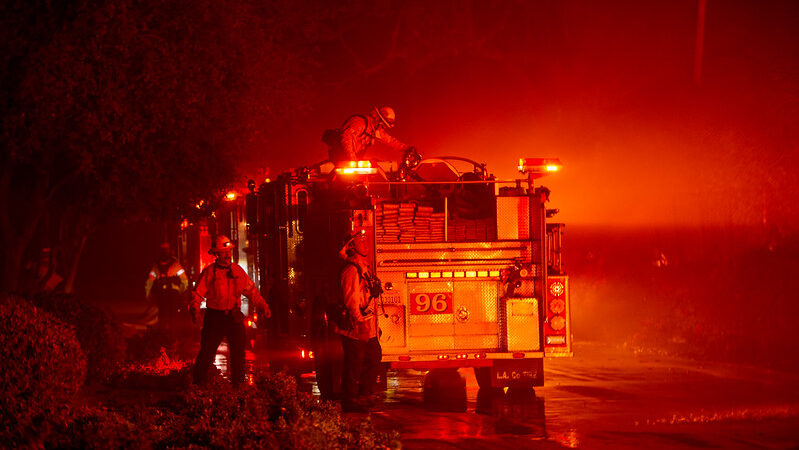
point(18, 228)
point(12, 265)
point(69, 283)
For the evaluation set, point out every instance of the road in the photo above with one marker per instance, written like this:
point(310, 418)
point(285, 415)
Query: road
point(607, 398)
point(603, 397)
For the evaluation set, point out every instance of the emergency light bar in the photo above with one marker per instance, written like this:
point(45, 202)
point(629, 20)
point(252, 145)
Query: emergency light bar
point(461, 274)
point(539, 166)
point(357, 168)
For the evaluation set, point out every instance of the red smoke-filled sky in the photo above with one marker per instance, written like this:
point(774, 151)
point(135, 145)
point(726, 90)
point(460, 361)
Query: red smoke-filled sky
point(607, 88)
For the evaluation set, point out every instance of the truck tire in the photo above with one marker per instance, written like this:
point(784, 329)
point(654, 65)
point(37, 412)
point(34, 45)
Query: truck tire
point(445, 390)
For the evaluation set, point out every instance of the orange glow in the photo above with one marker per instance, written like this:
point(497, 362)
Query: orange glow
point(442, 357)
point(356, 170)
point(539, 165)
point(360, 164)
point(231, 195)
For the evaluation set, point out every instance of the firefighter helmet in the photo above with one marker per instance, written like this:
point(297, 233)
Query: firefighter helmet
point(350, 242)
point(221, 244)
point(386, 115)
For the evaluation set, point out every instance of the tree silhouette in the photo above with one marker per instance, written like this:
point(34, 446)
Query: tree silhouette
point(128, 109)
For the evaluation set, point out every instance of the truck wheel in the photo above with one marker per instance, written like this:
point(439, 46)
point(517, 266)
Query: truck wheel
point(445, 390)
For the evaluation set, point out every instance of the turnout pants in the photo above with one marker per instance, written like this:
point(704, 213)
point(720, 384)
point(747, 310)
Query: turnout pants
point(217, 325)
point(361, 366)
point(168, 301)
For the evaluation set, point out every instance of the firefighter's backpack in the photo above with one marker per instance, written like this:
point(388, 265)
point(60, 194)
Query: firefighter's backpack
point(332, 136)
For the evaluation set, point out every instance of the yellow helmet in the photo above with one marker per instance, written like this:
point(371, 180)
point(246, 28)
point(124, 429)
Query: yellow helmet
point(386, 115)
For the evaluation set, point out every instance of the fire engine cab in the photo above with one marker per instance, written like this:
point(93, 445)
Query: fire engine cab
point(470, 267)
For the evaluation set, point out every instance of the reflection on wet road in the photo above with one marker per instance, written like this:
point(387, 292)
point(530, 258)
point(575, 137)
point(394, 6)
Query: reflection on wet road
point(601, 398)
point(604, 399)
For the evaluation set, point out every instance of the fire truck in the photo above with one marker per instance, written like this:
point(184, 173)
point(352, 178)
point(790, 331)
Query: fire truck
point(470, 265)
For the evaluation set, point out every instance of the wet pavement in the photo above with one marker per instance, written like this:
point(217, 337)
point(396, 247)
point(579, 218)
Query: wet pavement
point(605, 398)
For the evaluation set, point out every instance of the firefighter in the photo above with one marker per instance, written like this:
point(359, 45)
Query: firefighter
point(166, 284)
point(221, 285)
point(359, 132)
point(359, 341)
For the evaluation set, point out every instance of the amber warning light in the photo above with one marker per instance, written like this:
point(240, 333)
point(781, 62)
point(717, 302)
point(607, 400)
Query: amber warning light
point(538, 167)
point(357, 167)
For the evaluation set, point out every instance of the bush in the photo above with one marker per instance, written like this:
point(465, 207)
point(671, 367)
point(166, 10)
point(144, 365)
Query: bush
point(268, 414)
point(43, 368)
point(99, 334)
point(99, 428)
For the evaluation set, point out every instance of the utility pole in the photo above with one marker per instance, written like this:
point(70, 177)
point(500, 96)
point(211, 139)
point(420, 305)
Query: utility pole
point(700, 41)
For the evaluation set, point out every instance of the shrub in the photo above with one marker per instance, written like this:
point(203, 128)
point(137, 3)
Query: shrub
point(84, 427)
point(43, 368)
point(99, 334)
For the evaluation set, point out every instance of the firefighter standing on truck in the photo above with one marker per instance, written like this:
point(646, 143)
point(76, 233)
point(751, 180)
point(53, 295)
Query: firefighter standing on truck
point(359, 132)
point(362, 352)
point(166, 284)
point(221, 285)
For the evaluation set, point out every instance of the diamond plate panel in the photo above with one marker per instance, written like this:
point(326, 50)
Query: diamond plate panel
point(393, 327)
point(434, 343)
point(522, 324)
point(477, 342)
point(397, 292)
point(479, 298)
point(430, 287)
point(526, 289)
point(423, 328)
point(513, 218)
point(419, 321)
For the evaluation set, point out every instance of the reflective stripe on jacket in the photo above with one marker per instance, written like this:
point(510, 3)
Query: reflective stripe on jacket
point(174, 270)
point(222, 287)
